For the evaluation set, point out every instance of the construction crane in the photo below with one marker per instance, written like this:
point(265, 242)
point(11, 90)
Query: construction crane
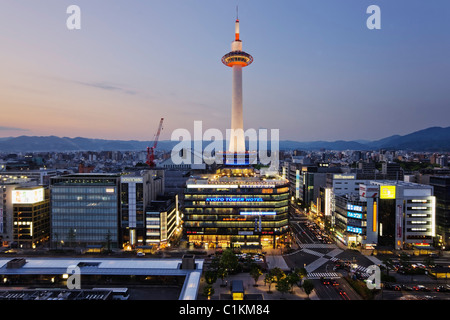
point(150, 150)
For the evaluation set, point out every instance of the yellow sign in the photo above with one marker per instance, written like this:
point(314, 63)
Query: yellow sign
point(387, 192)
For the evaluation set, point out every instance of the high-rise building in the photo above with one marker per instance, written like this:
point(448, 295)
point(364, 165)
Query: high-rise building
point(441, 185)
point(137, 190)
point(85, 210)
point(388, 213)
point(31, 216)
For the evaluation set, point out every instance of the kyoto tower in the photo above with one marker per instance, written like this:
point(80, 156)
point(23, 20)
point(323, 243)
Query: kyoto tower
point(237, 59)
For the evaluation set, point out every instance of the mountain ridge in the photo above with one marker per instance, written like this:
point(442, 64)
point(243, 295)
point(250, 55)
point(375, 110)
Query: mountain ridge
point(429, 139)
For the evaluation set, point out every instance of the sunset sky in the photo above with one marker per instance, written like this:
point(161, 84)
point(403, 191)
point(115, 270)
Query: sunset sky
point(318, 73)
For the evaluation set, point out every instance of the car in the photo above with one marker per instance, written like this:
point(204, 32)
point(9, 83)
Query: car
point(140, 254)
point(334, 282)
point(441, 289)
point(406, 288)
point(326, 281)
point(420, 288)
point(343, 294)
point(396, 287)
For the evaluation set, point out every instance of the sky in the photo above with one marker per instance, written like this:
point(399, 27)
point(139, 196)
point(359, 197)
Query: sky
point(318, 73)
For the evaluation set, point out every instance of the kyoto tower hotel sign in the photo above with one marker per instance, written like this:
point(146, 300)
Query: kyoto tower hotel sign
point(237, 59)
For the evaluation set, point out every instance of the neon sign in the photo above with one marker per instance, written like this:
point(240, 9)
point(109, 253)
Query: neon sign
point(226, 199)
point(258, 213)
point(354, 208)
point(354, 215)
point(354, 229)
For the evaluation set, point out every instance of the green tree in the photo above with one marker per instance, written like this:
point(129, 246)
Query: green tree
point(302, 273)
point(208, 291)
point(269, 278)
point(222, 273)
point(229, 260)
point(308, 287)
point(210, 277)
point(283, 285)
point(278, 273)
point(293, 278)
point(255, 273)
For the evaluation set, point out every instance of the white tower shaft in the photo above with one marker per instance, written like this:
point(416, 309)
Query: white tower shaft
point(237, 138)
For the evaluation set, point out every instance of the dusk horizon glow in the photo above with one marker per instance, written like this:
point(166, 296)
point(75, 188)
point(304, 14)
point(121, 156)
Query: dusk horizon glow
point(316, 65)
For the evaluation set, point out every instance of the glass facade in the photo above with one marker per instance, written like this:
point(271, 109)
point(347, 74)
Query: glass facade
point(84, 210)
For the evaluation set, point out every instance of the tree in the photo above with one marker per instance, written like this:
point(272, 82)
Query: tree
point(302, 273)
point(283, 285)
point(278, 273)
point(208, 291)
point(210, 277)
point(269, 278)
point(292, 279)
point(308, 287)
point(222, 273)
point(255, 273)
point(229, 260)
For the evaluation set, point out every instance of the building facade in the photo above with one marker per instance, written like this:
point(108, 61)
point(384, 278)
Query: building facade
point(236, 207)
point(85, 210)
point(383, 213)
point(441, 185)
point(31, 216)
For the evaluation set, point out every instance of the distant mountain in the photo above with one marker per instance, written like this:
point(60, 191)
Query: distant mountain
point(430, 139)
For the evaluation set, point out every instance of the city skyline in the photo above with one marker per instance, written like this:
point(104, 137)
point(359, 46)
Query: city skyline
point(319, 73)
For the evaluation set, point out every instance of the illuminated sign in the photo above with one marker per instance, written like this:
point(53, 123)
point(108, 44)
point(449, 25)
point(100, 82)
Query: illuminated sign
point(213, 186)
point(220, 199)
point(27, 196)
point(343, 176)
point(257, 213)
point(354, 215)
point(109, 190)
point(354, 208)
point(354, 229)
point(387, 192)
point(132, 179)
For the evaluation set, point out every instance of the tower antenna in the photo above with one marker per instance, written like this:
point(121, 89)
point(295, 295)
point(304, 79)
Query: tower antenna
point(237, 12)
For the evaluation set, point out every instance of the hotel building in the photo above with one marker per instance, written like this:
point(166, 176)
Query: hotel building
point(236, 207)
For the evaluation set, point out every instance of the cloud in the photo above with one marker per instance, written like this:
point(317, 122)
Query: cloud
point(107, 86)
point(12, 128)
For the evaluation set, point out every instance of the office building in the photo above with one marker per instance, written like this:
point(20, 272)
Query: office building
point(384, 213)
point(31, 216)
point(441, 185)
point(7, 200)
point(85, 210)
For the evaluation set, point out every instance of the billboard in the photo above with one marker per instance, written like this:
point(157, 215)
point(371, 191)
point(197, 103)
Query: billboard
point(387, 192)
point(27, 196)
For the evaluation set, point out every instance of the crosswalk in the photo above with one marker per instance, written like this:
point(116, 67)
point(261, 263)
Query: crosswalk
point(362, 270)
point(317, 245)
point(326, 275)
point(313, 252)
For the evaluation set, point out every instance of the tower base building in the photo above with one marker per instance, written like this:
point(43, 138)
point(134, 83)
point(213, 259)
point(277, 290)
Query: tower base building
point(236, 207)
